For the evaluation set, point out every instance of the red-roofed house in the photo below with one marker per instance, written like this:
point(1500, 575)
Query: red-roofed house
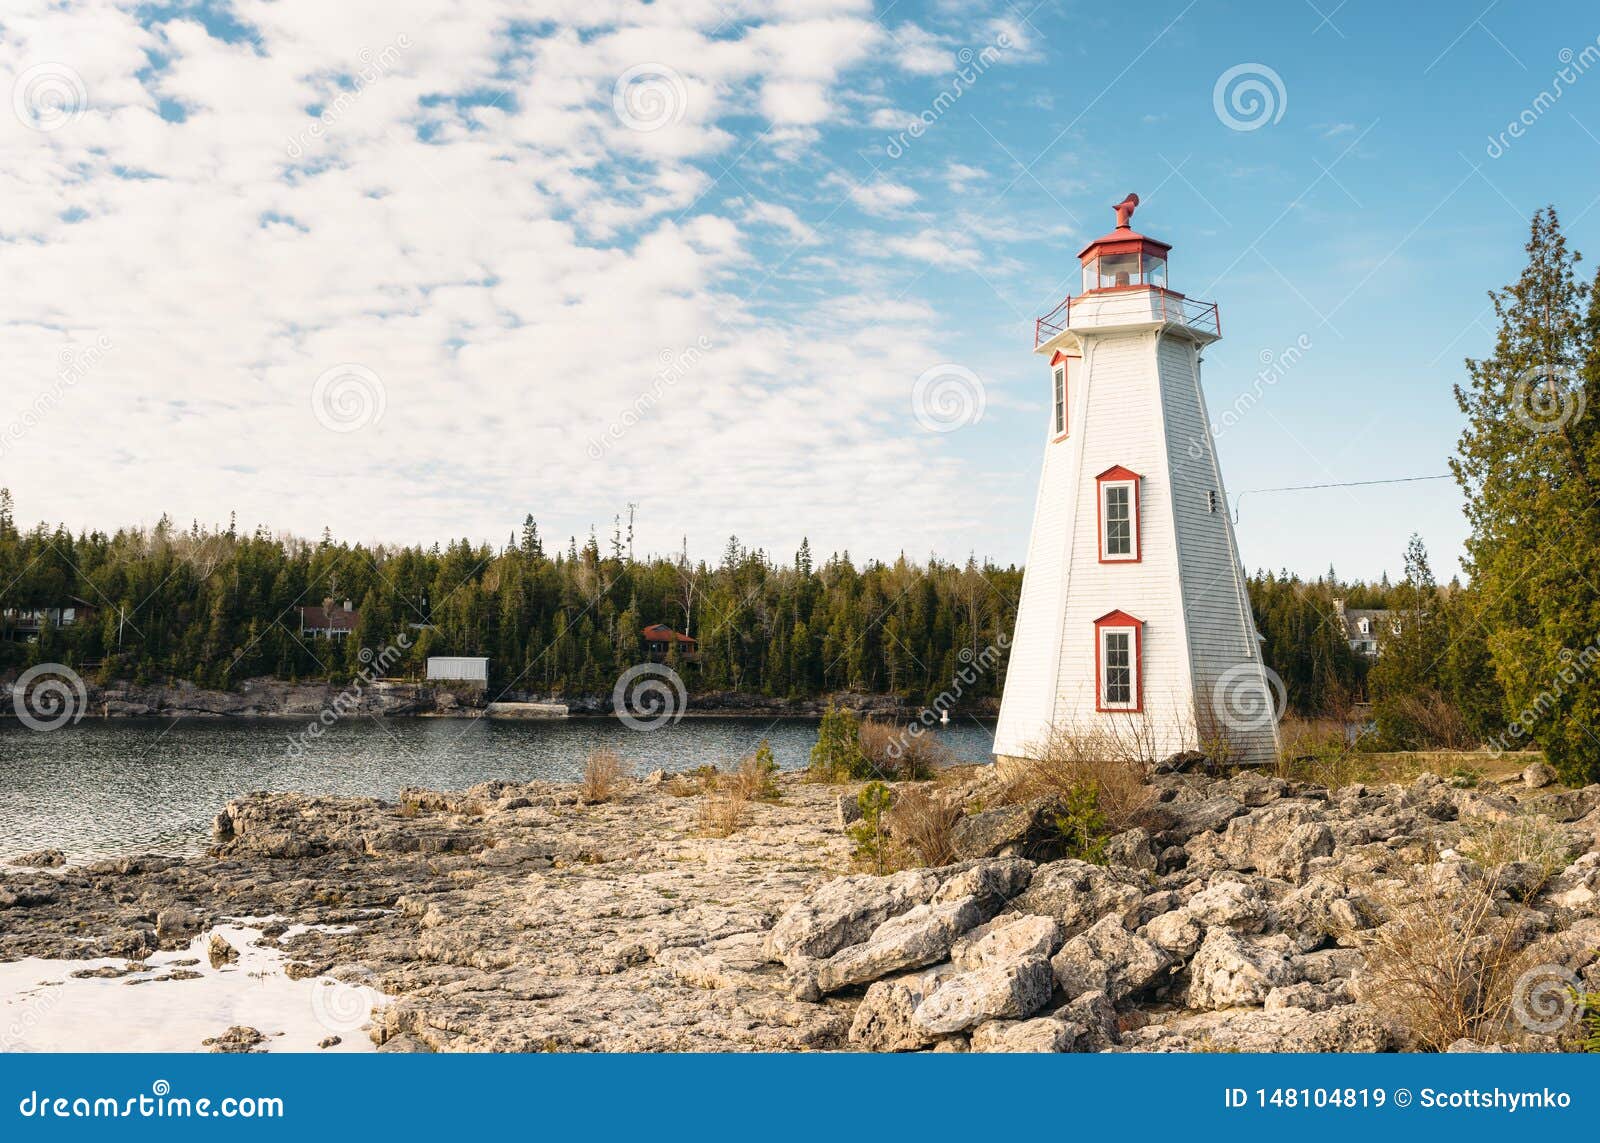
point(659, 640)
point(329, 621)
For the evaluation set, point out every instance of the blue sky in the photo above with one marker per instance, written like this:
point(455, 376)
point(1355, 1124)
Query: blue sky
point(410, 271)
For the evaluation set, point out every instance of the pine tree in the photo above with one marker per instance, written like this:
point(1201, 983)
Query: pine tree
point(1529, 465)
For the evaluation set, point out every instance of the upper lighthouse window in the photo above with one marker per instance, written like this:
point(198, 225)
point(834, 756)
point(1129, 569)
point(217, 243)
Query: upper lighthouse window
point(1155, 270)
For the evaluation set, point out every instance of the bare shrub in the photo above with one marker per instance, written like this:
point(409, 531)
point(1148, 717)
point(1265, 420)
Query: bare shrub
point(1316, 750)
point(925, 821)
point(603, 775)
point(1444, 966)
point(1109, 763)
point(755, 777)
point(1533, 841)
point(894, 752)
point(722, 812)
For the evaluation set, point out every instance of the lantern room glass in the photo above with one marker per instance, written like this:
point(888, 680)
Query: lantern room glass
point(1110, 271)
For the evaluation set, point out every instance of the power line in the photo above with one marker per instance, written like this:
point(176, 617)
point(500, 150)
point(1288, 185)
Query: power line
point(1345, 484)
point(1238, 496)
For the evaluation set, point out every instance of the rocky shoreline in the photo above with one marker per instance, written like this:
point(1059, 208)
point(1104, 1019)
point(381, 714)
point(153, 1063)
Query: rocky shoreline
point(277, 698)
point(1248, 913)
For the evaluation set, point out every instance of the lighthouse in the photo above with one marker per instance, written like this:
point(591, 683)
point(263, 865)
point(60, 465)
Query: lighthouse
point(1134, 629)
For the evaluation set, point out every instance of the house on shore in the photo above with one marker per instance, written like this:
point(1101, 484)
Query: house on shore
point(660, 640)
point(329, 621)
point(1366, 628)
point(27, 622)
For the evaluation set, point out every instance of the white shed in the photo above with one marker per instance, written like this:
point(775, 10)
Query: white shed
point(458, 669)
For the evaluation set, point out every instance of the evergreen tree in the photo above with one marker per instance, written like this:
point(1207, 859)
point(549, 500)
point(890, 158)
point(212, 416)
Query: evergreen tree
point(1529, 464)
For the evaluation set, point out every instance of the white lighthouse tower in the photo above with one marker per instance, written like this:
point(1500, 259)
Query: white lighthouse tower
point(1134, 626)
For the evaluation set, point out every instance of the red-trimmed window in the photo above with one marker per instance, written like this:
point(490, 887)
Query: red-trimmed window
point(1118, 665)
point(1060, 393)
point(1118, 495)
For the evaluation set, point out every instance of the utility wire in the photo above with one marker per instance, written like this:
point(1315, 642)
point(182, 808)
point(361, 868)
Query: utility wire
point(1238, 496)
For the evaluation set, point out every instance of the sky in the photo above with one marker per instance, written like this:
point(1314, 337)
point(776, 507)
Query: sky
point(409, 270)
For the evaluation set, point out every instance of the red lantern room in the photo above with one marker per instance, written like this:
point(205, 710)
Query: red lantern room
point(1124, 259)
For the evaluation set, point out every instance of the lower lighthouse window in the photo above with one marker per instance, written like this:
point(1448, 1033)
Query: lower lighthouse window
point(1118, 638)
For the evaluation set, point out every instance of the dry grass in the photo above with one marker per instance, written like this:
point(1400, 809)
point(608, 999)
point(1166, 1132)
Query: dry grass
point(407, 809)
point(722, 813)
point(1070, 763)
point(1533, 841)
point(1445, 965)
point(924, 821)
point(603, 776)
point(896, 754)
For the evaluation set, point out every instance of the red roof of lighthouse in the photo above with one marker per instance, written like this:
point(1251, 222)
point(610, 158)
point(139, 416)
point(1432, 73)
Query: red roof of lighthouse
point(1124, 239)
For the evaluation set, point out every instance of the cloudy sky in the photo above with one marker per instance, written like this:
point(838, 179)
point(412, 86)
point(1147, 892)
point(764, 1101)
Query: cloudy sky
point(410, 269)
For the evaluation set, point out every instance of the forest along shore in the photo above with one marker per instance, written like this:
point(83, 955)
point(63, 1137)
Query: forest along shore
point(1251, 913)
point(276, 698)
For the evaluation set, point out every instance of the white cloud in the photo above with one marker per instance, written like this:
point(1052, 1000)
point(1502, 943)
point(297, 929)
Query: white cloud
point(880, 197)
point(959, 177)
point(475, 225)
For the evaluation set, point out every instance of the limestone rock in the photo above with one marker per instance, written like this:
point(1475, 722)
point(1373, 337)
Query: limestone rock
point(1093, 1012)
point(1108, 958)
point(1233, 904)
point(1078, 894)
point(920, 936)
point(1007, 938)
point(845, 911)
point(220, 951)
point(1538, 775)
point(1348, 1028)
point(1177, 932)
point(174, 922)
point(1230, 972)
point(997, 991)
point(994, 882)
point(883, 1020)
point(1041, 1034)
point(1016, 829)
point(41, 859)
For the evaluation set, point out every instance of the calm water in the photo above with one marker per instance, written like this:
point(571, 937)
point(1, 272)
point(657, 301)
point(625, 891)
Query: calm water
point(101, 788)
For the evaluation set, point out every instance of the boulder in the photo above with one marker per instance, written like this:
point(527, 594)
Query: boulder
point(1263, 840)
point(1005, 939)
point(1132, 849)
point(1347, 1028)
point(996, 991)
point(176, 921)
point(844, 912)
point(41, 859)
point(1041, 1034)
point(1566, 805)
point(994, 882)
point(1177, 932)
point(1078, 894)
point(1177, 821)
point(220, 951)
point(1231, 972)
point(1310, 997)
point(1026, 827)
point(1233, 904)
point(1538, 775)
point(920, 936)
point(883, 1020)
point(1093, 1013)
point(1108, 958)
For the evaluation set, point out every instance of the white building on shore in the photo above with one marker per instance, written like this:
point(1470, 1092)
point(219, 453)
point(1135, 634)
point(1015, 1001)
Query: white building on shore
point(1134, 626)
